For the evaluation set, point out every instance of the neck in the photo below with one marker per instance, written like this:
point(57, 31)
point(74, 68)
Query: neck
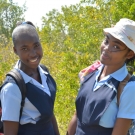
point(29, 71)
point(32, 72)
point(107, 70)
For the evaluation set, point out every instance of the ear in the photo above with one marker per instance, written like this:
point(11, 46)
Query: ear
point(130, 54)
point(15, 51)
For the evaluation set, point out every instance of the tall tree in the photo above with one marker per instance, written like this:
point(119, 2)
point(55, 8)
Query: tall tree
point(10, 13)
point(71, 41)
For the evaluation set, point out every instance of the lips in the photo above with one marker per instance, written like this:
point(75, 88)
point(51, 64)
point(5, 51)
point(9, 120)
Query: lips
point(104, 55)
point(34, 60)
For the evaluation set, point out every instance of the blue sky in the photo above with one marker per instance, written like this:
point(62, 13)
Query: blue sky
point(38, 8)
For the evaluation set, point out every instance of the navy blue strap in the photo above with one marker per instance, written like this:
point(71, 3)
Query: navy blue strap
point(21, 84)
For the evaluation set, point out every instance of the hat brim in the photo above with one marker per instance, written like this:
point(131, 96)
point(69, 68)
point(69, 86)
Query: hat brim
point(120, 36)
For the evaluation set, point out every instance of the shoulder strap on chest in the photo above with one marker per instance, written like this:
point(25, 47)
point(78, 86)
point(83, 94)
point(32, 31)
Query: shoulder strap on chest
point(121, 87)
point(20, 83)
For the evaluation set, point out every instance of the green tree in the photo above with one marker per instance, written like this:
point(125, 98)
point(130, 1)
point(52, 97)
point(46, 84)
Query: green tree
point(71, 41)
point(10, 13)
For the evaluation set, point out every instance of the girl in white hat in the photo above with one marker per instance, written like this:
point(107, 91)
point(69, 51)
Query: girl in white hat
point(100, 108)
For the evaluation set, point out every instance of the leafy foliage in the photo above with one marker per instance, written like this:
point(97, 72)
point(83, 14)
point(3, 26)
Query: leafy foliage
point(71, 41)
point(72, 38)
point(10, 13)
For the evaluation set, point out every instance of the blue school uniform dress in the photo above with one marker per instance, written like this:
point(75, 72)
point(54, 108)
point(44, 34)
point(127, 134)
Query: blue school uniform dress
point(96, 102)
point(38, 107)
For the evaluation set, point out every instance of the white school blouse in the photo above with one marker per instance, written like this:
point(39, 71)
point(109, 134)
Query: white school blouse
point(11, 98)
point(127, 99)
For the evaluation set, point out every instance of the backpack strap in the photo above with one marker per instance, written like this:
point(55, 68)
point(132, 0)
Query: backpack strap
point(121, 87)
point(20, 83)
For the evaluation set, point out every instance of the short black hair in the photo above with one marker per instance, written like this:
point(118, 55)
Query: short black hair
point(22, 27)
point(27, 22)
point(130, 64)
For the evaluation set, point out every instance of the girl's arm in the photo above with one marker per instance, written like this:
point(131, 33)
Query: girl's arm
point(10, 100)
point(72, 125)
point(55, 125)
point(126, 109)
point(122, 126)
point(10, 127)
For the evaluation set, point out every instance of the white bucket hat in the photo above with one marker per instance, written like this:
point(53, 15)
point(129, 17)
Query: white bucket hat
point(124, 30)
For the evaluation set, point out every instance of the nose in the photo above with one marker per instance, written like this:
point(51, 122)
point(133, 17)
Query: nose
point(32, 52)
point(107, 48)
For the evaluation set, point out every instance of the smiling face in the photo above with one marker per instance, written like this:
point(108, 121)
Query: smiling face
point(27, 46)
point(114, 52)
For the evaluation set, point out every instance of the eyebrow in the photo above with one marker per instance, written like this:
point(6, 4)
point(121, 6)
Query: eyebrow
point(24, 45)
point(118, 42)
point(36, 43)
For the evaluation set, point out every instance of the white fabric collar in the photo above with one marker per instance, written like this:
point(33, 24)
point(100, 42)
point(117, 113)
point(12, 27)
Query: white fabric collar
point(119, 75)
point(28, 78)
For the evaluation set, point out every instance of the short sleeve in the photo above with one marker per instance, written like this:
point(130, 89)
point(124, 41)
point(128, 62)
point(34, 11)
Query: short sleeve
point(10, 100)
point(127, 102)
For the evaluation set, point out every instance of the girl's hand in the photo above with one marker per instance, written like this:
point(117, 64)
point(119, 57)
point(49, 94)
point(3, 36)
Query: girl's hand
point(122, 126)
point(72, 125)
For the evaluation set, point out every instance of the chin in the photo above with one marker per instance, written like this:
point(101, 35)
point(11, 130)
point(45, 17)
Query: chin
point(33, 65)
point(104, 62)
